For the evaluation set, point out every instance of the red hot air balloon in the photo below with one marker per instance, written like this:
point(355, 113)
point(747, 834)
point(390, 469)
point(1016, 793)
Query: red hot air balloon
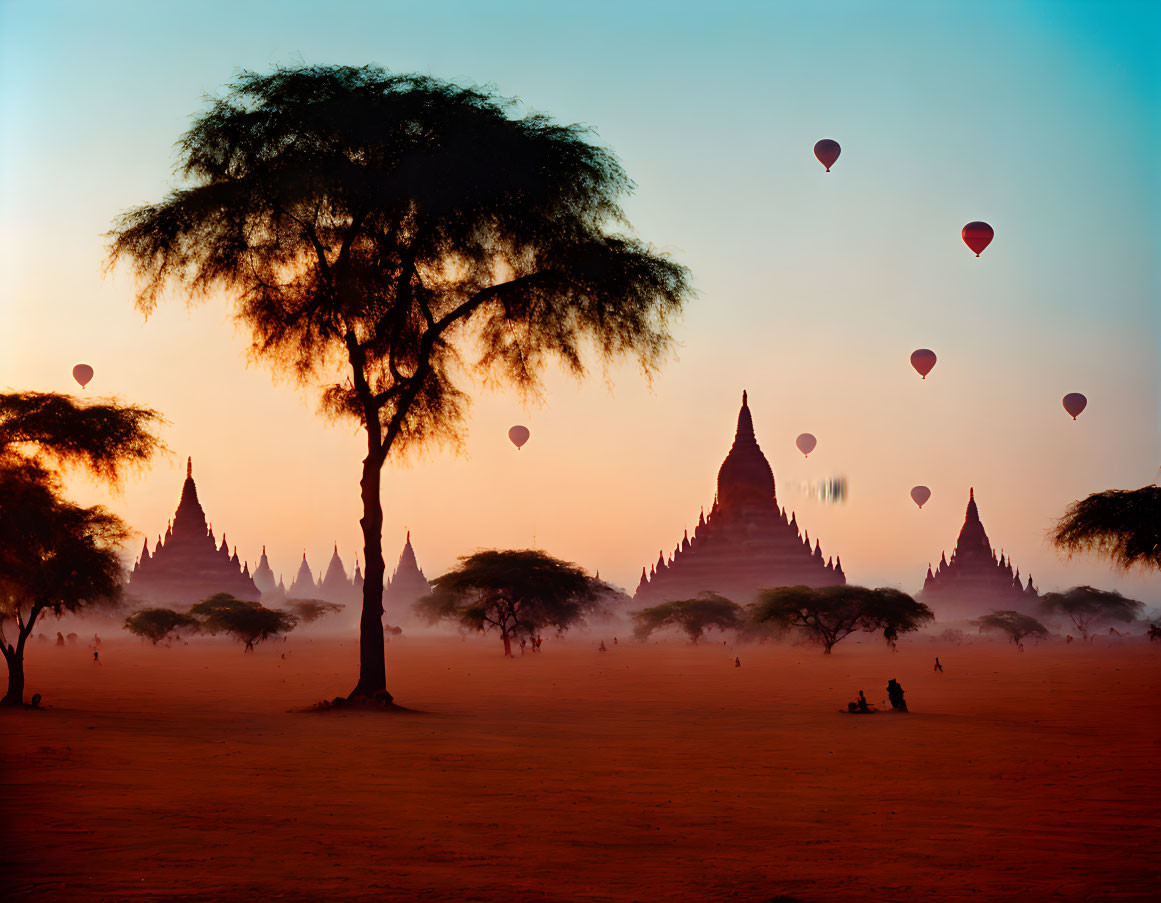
point(1074, 403)
point(923, 360)
point(920, 495)
point(519, 435)
point(977, 236)
point(806, 443)
point(827, 151)
point(82, 373)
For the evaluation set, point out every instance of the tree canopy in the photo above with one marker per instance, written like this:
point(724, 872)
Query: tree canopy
point(514, 593)
point(1015, 624)
point(1087, 606)
point(158, 624)
point(381, 234)
point(1121, 525)
point(250, 622)
point(832, 613)
point(56, 556)
point(692, 616)
point(310, 610)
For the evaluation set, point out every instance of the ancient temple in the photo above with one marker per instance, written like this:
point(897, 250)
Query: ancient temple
point(406, 586)
point(746, 544)
point(186, 566)
point(975, 581)
point(303, 585)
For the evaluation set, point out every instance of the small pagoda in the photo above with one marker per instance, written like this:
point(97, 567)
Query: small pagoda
point(975, 580)
point(746, 544)
point(186, 566)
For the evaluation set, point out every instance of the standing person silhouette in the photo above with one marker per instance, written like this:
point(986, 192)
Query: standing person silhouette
point(96, 657)
point(937, 667)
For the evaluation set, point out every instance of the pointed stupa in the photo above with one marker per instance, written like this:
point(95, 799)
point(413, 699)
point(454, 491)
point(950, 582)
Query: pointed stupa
point(303, 586)
point(264, 575)
point(745, 477)
point(335, 586)
point(406, 587)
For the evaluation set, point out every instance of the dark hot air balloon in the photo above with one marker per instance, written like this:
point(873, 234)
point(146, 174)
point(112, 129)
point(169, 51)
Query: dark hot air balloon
point(920, 495)
point(1074, 403)
point(827, 151)
point(977, 236)
point(806, 443)
point(519, 435)
point(82, 373)
point(923, 360)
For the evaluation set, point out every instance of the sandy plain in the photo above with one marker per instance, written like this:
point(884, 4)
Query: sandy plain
point(650, 772)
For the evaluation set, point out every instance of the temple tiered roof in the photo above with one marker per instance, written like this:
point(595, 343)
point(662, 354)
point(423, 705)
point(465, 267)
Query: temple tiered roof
point(746, 543)
point(186, 567)
point(975, 581)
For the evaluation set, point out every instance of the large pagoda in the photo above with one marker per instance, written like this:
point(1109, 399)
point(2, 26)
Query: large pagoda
point(975, 581)
point(406, 587)
point(186, 567)
point(746, 544)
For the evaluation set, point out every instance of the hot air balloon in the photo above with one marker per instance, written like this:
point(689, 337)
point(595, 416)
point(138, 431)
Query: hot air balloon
point(82, 373)
point(923, 360)
point(827, 151)
point(519, 435)
point(1074, 403)
point(806, 443)
point(920, 495)
point(977, 236)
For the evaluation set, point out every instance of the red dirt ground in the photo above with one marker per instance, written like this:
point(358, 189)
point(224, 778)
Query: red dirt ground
point(656, 772)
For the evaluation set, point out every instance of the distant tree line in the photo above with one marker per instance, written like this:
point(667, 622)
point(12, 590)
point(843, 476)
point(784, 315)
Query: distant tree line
point(249, 622)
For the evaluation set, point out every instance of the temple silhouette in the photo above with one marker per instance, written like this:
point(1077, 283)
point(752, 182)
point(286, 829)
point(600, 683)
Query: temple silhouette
point(186, 566)
point(975, 582)
point(746, 544)
point(406, 586)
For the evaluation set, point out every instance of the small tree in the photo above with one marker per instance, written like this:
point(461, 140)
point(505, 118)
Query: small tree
point(56, 556)
point(310, 610)
point(894, 612)
point(248, 621)
point(694, 616)
point(1121, 525)
point(157, 624)
point(404, 230)
point(1087, 607)
point(514, 593)
point(831, 613)
point(1015, 624)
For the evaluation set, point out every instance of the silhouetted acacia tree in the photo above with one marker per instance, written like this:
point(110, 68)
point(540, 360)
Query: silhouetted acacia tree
point(248, 621)
point(157, 624)
point(1015, 624)
point(1087, 606)
point(403, 226)
point(310, 610)
point(1119, 524)
point(693, 616)
point(831, 613)
point(514, 593)
point(56, 556)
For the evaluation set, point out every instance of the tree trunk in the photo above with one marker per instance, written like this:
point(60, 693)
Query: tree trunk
point(507, 645)
point(372, 658)
point(15, 694)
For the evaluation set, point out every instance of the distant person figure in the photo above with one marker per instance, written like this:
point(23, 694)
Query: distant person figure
point(601, 648)
point(938, 667)
point(96, 657)
point(862, 705)
point(895, 694)
point(523, 645)
point(1019, 647)
point(614, 641)
point(536, 643)
point(737, 662)
point(59, 638)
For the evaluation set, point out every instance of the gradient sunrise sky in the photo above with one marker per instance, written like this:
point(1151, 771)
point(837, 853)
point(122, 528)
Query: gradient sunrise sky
point(814, 288)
